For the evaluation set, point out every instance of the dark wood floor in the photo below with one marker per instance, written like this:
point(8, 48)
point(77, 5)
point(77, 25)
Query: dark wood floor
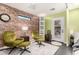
point(64, 50)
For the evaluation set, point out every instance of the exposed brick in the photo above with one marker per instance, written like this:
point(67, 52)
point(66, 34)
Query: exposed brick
point(15, 24)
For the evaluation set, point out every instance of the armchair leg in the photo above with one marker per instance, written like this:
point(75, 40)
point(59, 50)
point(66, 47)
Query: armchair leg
point(27, 51)
point(40, 44)
point(23, 50)
point(5, 49)
point(11, 51)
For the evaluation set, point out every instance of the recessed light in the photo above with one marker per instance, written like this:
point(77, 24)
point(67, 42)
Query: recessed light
point(52, 9)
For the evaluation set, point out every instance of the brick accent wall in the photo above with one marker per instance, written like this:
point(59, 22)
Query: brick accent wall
point(15, 24)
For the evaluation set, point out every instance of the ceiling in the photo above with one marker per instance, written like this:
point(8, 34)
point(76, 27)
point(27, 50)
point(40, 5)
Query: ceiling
point(73, 5)
point(39, 8)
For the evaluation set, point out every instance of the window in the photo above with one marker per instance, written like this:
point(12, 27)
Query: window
point(24, 17)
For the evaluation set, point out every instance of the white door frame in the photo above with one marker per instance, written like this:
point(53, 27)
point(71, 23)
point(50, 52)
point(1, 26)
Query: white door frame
point(52, 28)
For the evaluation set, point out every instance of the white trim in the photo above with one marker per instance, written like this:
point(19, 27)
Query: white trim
point(52, 28)
point(43, 25)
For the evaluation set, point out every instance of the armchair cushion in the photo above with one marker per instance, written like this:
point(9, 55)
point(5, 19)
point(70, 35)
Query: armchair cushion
point(24, 44)
point(18, 41)
point(9, 36)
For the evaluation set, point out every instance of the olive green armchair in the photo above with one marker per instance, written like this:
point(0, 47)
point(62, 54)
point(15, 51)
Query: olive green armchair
point(10, 40)
point(38, 38)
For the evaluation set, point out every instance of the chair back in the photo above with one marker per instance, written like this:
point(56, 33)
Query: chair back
point(35, 34)
point(8, 37)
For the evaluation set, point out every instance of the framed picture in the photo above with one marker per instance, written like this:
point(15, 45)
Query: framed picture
point(5, 17)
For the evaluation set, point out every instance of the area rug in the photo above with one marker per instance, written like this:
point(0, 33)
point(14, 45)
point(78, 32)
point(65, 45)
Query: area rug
point(56, 43)
point(76, 52)
point(35, 50)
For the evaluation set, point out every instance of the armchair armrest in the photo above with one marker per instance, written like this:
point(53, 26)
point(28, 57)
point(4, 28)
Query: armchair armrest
point(20, 39)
